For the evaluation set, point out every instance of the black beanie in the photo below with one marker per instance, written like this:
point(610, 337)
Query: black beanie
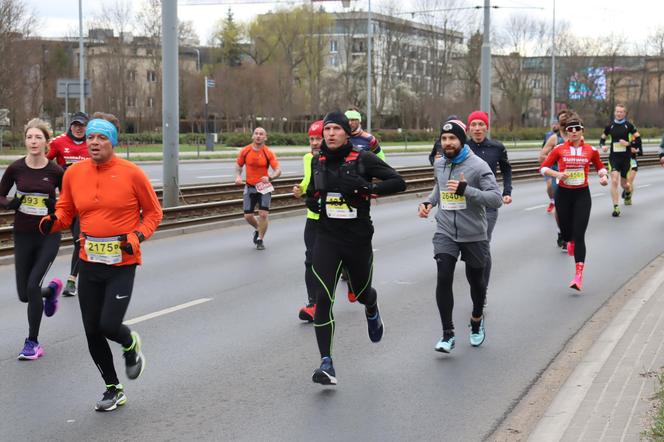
point(337, 118)
point(456, 128)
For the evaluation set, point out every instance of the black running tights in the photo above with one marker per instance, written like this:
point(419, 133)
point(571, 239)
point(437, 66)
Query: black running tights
point(104, 292)
point(573, 208)
point(444, 294)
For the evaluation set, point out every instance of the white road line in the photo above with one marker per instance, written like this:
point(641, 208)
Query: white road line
point(155, 180)
point(166, 311)
point(213, 176)
point(595, 195)
point(645, 185)
point(541, 206)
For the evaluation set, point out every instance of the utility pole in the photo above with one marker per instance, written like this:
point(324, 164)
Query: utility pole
point(485, 76)
point(170, 104)
point(81, 59)
point(369, 39)
point(553, 65)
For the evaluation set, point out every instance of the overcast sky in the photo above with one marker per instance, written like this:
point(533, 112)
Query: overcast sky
point(634, 19)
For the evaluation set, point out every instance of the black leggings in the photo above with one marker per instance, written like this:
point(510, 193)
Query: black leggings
point(104, 292)
point(75, 233)
point(573, 208)
point(33, 255)
point(310, 230)
point(444, 294)
point(328, 258)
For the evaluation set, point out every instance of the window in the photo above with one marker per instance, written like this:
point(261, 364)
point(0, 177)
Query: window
point(152, 76)
point(131, 101)
point(536, 83)
point(333, 46)
point(333, 60)
point(358, 45)
point(150, 102)
point(131, 75)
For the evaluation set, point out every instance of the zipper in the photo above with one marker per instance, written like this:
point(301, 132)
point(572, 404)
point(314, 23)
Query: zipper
point(456, 229)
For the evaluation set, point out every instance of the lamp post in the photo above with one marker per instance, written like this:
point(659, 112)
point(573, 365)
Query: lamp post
point(553, 64)
point(485, 76)
point(81, 58)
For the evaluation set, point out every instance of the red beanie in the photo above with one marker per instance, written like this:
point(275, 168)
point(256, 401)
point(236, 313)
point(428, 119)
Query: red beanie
point(478, 115)
point(316, 129)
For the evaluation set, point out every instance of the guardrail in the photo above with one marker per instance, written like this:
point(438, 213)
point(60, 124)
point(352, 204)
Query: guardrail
point(217, 202)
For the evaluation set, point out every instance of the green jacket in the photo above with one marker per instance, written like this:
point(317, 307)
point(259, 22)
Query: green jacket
point(306, 160)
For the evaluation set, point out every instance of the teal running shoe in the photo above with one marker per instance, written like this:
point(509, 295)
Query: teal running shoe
point(476, 332)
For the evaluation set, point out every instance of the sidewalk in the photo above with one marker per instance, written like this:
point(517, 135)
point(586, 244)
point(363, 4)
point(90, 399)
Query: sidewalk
point(607, 396)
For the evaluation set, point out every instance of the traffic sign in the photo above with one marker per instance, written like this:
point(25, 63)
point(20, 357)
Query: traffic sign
point(70, 88)
point(4, 117)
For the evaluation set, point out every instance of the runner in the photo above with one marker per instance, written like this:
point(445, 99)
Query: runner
point(36, 179)
point(340, 191)
point(550, 143)
point(361, 138)
point(67, 149)
point(661, 152)
point(495, 155)
point(620, 157)
point(257, 157)
point(118, 210)
point(437, 150)
point(554, 134)
point(307, 312)
point(465, 187)
point(634, 168)
point(573, 201)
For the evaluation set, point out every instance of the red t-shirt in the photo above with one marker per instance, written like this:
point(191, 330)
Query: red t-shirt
point(67, 151)
point(256, 162)
point(575, 161)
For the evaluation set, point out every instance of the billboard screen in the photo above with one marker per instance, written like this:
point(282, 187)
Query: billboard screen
point(589, 83)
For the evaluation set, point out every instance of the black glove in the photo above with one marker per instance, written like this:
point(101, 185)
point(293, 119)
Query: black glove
point(15, 203)
point(50, 205)
point(353, 185)
point(313, 203)
point(46, 224)
point(132, 242)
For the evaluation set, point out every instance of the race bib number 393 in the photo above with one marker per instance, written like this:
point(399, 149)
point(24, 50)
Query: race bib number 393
point(103, 250)
point(33, 204)
point(452, 201)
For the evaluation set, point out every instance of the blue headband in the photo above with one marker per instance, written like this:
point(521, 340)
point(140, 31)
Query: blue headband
point(102, 127)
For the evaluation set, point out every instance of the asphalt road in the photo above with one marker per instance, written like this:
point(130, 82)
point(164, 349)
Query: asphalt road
point(238, 366)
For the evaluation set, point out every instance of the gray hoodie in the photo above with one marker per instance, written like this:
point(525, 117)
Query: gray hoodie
point(467, 224)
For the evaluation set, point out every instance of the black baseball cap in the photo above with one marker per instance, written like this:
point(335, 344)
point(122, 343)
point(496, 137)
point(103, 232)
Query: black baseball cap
point(80, 117)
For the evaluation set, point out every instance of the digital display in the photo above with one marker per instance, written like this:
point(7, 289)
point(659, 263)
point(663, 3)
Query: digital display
point(589, 83)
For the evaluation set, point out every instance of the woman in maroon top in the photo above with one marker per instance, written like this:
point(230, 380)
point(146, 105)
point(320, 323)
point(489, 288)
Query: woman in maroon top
point(36, 179)
point(572, 199)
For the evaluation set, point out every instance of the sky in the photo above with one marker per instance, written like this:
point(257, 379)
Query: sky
point(57, 18)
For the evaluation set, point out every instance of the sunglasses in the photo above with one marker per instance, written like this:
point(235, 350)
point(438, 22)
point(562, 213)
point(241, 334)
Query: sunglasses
point(574, 128)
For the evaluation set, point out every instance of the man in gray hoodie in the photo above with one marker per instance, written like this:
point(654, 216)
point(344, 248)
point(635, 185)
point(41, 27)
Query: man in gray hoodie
point(465, 187)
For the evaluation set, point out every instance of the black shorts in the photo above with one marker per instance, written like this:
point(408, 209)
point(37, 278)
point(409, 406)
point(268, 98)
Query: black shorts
point(475, 254)
point(619, 164)
point(252, 197)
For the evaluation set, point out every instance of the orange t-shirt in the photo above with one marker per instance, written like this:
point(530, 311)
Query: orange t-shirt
point(256, 162)
point(114, 198)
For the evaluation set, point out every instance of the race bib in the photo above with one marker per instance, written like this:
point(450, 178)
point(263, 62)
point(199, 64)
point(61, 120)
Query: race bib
point(452, 201)
point(33, 203)
point(617, 147)
point(336, 208)
point(103, 250)
point(264, 188)
point(576, 177)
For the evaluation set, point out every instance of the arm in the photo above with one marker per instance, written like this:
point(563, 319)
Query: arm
point(150, 207)
point(298, 189)
point(602, 138)
point(488, 193)
point(6, 184)
point(276, 169)
point(506, 172)
point(391, 181)
point(434, 152)
point(239, 163)
point(547, 148)
point(599, 165)
point(549, 161)
point(636, 145)
point(65, 210)
point(375, 148)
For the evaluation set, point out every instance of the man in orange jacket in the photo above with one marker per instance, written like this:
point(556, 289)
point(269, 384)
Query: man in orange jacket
point(118, 209)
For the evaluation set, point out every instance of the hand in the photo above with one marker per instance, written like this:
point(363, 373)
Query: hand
point(423, 209)
point(562, 176)
point(132, 243)
point(635, 150)
point(353, 185)
point(507, 199)
point(15, 203)
point(50, 205)
point(457, 186)
point(605, 148)
point(297, 191)
point(313, 203)
point(46, 224)
point(623, 143)
point(238, 181)
point(604, 180)
point(265, 179)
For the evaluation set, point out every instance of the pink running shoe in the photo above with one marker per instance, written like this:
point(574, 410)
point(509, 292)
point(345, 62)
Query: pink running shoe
point(31, 351)
point(577, 282)
point(51, 302)
point(550, 208)
point(570, 248)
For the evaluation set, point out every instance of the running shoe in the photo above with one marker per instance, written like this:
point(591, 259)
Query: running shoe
point(70, 288)
point(550, 207)
point(628, 198)
point(570, 248)
point(113, 397)
point(351, 296)
point(325, 375)
point(563, 248)
point(616, 211)
point(134, 359)
point(476, 332)
point(376, 326)
point(307, 313)
point(577, 282)
point(446, 342)
point(623, 194)
point(255, 236)
point(560, 241)
point(31, 350)
point(51, 302)
point(260, 245)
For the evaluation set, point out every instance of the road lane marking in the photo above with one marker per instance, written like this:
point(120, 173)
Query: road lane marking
point(213, 176)
point(166, 311)
point(645, 185)
point(595, 195)
point(541, 206)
